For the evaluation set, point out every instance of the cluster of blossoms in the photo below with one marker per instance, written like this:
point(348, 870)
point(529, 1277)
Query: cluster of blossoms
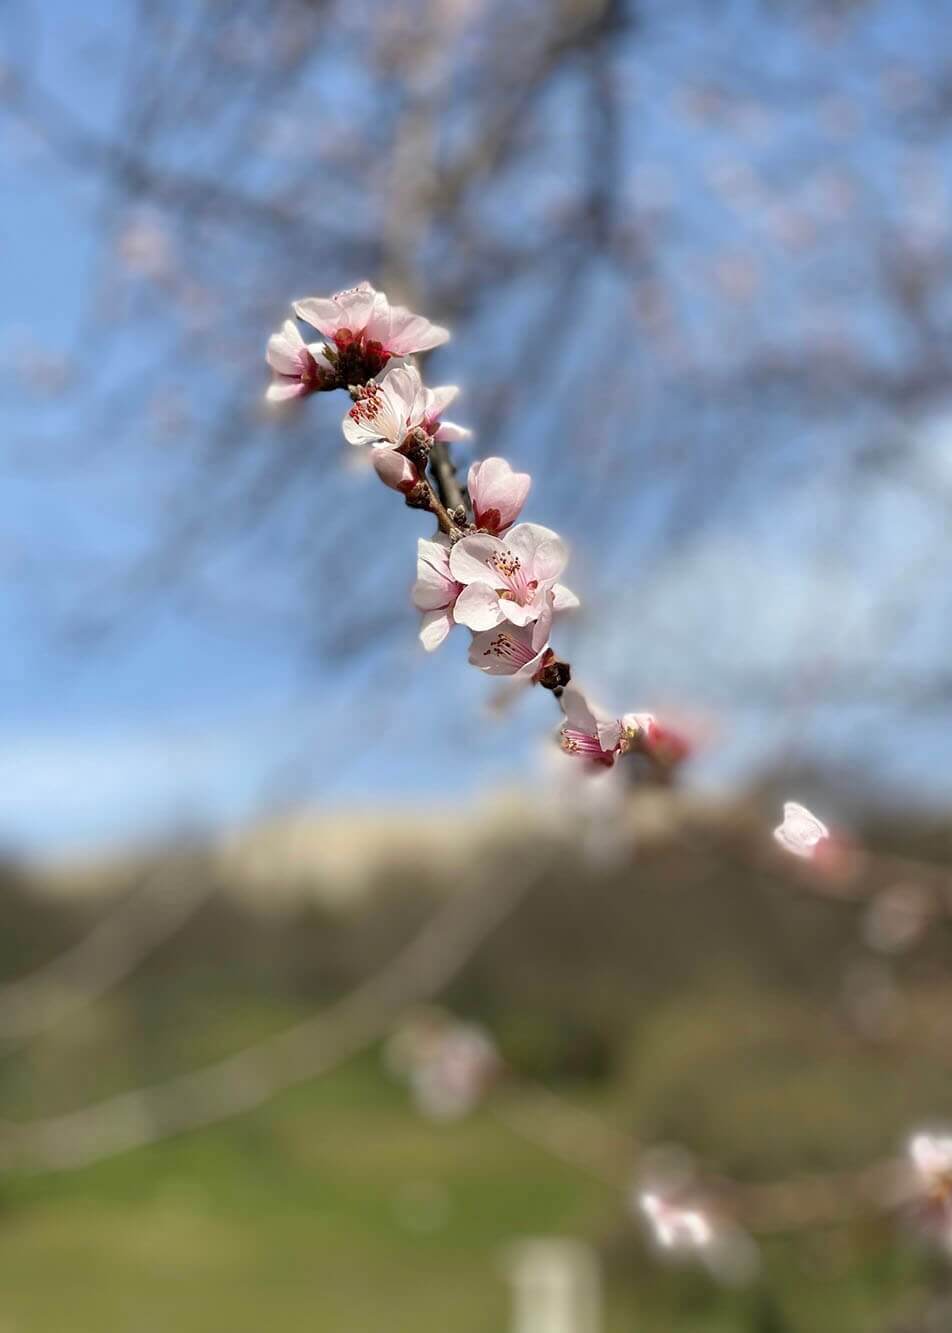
point(483, 570)
point(500, 579)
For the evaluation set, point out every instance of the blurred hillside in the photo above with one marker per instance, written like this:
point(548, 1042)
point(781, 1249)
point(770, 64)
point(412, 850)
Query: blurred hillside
point(689, 988)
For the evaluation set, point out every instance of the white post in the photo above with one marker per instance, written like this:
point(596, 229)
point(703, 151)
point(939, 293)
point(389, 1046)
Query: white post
point(556, 1287)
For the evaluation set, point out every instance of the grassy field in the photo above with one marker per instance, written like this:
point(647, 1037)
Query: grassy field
point(692, 1002)
point(339, 1208)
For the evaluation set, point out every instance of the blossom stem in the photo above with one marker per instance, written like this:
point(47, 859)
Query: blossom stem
point(443, 516)
point(451, 492)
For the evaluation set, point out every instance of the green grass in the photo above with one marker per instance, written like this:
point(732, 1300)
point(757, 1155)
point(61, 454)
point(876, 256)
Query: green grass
point(338, 1208)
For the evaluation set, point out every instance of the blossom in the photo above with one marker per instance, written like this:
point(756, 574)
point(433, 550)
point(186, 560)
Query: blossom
point(497, 493)
point(510, 580)
point(646, 733)
point(931, 1157)
point(387, 411)
point(676, 1228)
point(801, 832)
point(456, 1072)
point(367, 330)
point(520, 651)
point(435, 591)
point(299, 368)
point(588, 732)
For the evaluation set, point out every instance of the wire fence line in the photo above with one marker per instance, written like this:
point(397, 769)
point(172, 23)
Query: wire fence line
point(253, 1076)
point(110, 952)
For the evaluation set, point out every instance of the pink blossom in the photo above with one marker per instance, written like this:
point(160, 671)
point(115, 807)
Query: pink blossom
point(589, 732)
point(367, 330)
point(389, 409)
point(931, 1157)
point(520, 651)
point(448, 1065)
point(395, 470)
point(458, 1072)
point(676, 1228)
point(497, 493)
point(512, 579)
point(644, 732)
point(299, 368)
point(435, 591)
point(801, 833)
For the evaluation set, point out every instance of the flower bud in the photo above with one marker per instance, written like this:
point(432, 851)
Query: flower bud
point(497, 493)
point(395, 471)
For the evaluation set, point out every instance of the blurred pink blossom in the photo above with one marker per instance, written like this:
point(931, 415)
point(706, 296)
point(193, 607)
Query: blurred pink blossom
point(801, 833)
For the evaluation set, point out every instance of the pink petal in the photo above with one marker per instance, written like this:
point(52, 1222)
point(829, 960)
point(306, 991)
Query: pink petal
point(321, 313)
point(563, 599)
point(394, 470)
point(516, 614)
point(801, 832)
point(450, 433)
point(577, 710)
point(434, 628)
point(471, 559)
point(281, 391)
point(439, 399)
point(434, 588)
point(411, 333)
point(543, 553)
point(284, 349)
point(478, 607)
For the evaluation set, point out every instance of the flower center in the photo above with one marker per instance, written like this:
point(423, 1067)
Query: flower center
point(509, 649)
point(520, 588)
point(584, 743)
point(367, 406)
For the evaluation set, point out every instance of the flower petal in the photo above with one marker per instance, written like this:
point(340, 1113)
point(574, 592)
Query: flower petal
point(434, 628)
point(434, 589)
point(478, 607)
point(439, 399)
point(540, 549)
point(281, 391)
point(321, 313)
point(450, 433)
point(471, 559)
point(284, 349)
point(409, 333)
point(563, 599)
point(577, 710)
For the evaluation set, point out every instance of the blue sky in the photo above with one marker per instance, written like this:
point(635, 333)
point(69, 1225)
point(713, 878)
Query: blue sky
point(180, 720)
